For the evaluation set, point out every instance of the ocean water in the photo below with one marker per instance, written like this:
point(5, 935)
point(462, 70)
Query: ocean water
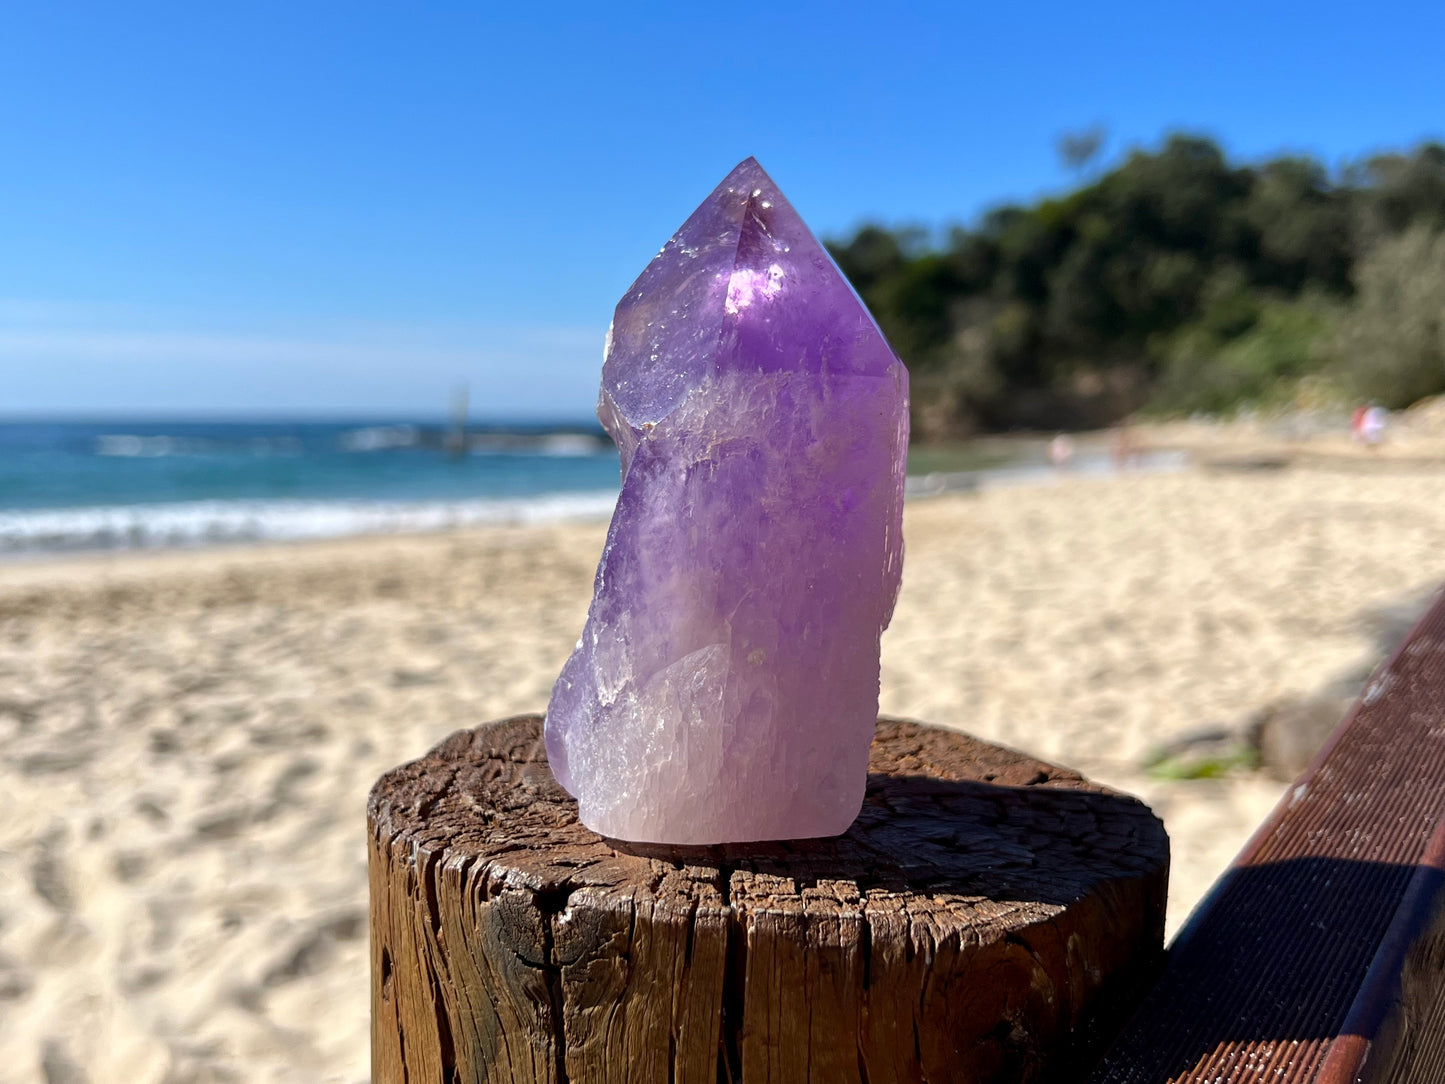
point(143, 484)
point(139, 484)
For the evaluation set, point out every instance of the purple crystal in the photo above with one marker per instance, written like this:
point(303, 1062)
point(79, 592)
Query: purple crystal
point(726, 683)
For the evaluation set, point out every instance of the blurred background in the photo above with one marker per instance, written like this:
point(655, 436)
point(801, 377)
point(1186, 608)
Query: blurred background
point(301, 321)
point(389, 222)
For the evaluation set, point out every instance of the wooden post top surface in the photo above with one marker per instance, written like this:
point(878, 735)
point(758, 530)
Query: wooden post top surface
point(964, 831)
point(963, 928)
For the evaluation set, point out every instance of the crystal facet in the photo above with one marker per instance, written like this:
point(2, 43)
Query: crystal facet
point(726, 683)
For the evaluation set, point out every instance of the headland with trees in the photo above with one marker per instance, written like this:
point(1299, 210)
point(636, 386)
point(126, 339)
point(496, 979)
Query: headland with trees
point(1175, 282)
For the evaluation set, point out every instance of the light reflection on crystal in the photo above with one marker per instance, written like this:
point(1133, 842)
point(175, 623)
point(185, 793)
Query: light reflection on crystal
point(748, 284)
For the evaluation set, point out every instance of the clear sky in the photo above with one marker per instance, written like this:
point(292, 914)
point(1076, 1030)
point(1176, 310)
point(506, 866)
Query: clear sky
point(310, 208)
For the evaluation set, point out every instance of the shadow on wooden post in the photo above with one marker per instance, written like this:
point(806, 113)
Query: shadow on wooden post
point(987, 918)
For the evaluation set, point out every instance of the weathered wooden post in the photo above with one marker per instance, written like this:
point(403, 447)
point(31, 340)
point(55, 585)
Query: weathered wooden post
point(987, 918)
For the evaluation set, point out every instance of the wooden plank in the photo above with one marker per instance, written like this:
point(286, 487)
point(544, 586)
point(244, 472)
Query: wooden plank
point(1320, 955)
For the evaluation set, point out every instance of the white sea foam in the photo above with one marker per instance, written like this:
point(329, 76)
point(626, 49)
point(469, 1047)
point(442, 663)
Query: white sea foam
point(569, 445)
point(195, 523)
point(132, 446)
point(376, 438)
point(572, 444)
point(129, 446)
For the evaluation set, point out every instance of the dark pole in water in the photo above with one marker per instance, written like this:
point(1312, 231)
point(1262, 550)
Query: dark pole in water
point(456, 442)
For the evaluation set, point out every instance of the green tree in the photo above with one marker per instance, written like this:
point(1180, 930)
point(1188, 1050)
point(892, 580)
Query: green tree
point(1211, 370)
point(1401, 190)
point(1304, 227)
point(1177, 275)
point(1391, 344)
point(1076, 150)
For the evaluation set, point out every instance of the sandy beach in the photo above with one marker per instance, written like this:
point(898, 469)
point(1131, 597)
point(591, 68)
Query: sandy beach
point(187, 738)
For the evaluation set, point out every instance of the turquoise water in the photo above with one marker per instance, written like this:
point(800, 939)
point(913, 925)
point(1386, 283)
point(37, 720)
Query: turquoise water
point(140, 484)
point(123, 484)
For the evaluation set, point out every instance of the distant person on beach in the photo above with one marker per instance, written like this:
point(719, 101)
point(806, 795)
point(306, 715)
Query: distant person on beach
point(1367, 424)
point(1357, 423)
point(1374, 425)
point(1061, 451)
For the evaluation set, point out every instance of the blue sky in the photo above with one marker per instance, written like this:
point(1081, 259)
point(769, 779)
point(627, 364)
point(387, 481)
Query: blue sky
point(350, 208)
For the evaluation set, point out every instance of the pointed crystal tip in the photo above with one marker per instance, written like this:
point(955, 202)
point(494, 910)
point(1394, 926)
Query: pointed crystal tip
point(743, 284)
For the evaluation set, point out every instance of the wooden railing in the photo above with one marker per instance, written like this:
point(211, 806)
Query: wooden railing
point(1320, 955)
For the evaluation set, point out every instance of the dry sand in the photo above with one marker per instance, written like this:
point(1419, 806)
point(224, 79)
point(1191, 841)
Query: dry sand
point(186, 740)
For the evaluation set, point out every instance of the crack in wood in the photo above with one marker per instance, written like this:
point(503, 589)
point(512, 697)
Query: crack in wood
point(550, 905)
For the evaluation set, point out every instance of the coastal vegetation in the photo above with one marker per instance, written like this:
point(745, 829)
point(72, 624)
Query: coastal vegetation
point(1175, 282)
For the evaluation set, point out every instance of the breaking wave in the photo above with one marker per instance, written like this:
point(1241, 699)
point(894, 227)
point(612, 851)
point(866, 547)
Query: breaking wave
point(198, 523)
point(136, 446)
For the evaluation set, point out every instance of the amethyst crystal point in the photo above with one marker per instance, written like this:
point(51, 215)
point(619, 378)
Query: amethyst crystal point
point(726, 682)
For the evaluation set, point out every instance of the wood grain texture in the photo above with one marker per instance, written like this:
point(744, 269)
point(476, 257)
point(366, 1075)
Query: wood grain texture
point(987, 917)
point(1319, 957)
